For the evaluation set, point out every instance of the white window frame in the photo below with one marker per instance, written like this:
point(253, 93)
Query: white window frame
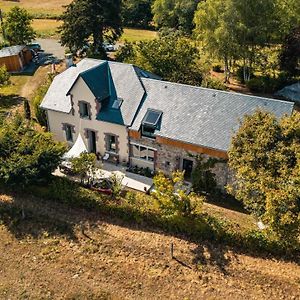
point(148, 148)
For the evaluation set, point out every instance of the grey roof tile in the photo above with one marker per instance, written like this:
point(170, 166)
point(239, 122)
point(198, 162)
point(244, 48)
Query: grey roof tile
point(11, 51)
point(202, 116)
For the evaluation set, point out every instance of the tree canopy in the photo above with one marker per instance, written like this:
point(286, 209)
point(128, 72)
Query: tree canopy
point(175, 14)
point(91, 21)
point(26, 155)
point(137, 13)
point(172, 58)
point(17, 27)
point(265, 155)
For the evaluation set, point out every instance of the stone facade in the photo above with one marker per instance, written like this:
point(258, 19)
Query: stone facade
point(169, 159)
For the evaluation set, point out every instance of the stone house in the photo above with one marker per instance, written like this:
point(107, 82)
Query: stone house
point(131, 116)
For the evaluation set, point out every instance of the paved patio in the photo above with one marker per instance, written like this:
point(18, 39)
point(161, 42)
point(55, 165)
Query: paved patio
point(130, 180)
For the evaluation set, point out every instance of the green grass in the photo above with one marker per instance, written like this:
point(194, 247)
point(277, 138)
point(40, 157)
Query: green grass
point(10, 94)
point(135, 35)
point(46, 28)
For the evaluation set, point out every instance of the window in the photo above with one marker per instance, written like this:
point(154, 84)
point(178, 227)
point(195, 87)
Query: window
point(152, 117)
point(69, 133)
point(117, 103)
point(150, 122)
point(112, 143)
point(142, 152)
point(84, 110)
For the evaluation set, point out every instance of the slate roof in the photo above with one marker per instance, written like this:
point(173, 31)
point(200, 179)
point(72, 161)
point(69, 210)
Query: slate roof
point(125, 84)
point(56, 97)
point(190, 114)
point(291, 92)
point(11, 51)
point(202, 116)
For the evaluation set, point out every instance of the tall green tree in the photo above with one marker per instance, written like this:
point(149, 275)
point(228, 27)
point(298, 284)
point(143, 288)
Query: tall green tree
point(137, 13)
point(91, 20)
point(213, 30)
point(290, 53)
point(173, 58)
point(26, 155)
point(235, 29)
point(265, 155)
point(175, 14)
point(17, 27)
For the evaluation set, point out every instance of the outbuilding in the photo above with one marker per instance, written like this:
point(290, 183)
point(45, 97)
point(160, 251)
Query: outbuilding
point(15, 58)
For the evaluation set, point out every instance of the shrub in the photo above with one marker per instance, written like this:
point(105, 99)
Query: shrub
point(26, 155)
point(217, 68)
point(213, 83)
point(37, 100)
point(172, 198)
point(4, 76)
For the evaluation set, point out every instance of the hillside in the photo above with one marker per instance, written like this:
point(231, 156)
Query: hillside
point(46, 254)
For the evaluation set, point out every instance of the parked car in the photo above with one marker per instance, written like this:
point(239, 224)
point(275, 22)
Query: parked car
point(35, 47)
point(109, 47)
point(102, 185)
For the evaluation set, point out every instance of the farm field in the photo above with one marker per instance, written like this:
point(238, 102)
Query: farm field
point(54, 252)
point(50, 8)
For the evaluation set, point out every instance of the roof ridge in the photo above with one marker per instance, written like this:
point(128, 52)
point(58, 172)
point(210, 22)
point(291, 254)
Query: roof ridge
point(213, 90)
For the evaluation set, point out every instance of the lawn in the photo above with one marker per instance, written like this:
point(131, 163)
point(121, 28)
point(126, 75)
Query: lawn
point(135, 35)
point(46, 28)
point(51, 251)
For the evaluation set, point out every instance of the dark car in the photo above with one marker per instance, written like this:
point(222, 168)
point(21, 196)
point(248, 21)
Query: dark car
point(103, 185)
point(35, 47)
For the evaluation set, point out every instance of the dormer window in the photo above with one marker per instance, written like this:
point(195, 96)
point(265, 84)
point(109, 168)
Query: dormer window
point(117, 103)
point(150, 122)
point(84, 110)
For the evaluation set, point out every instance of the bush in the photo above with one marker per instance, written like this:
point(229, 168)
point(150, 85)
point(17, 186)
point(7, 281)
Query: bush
point(37, 100)
point(213, 83)
point(26, 155)
point(217, 68)
point(4, 76)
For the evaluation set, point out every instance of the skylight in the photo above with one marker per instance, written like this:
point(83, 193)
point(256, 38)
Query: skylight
point(152, 117)
point(117, 103)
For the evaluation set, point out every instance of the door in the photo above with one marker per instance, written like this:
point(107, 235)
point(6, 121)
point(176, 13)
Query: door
point(187, 167)
point(92, 141)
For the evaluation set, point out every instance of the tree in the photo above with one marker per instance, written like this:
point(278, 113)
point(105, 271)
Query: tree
point(290, 53)
point(173, 58)
point(17, 27)
point(171, 196)
point(175, 14)
point(4, 75)
point(137, 13)
point(212, 29)
point(265, 157)
point(27, 156)
point(91, 20)
point(85, 166)
point(232, 29)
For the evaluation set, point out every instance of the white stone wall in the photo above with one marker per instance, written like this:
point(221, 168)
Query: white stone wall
point(81, 92)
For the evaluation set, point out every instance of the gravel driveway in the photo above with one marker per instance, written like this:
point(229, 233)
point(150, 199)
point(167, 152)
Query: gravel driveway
point(53, 51)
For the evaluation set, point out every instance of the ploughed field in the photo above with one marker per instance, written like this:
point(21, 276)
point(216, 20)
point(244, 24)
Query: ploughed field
point(55, 252)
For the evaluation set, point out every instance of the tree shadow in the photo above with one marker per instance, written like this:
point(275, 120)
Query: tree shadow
point(24, 222)
point(208, 254)
point(9, 101)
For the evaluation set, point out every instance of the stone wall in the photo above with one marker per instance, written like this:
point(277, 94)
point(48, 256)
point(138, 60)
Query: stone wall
point(170, 158)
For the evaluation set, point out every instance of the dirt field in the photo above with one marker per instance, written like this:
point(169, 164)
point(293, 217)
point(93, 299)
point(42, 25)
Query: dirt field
point(47, 255)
